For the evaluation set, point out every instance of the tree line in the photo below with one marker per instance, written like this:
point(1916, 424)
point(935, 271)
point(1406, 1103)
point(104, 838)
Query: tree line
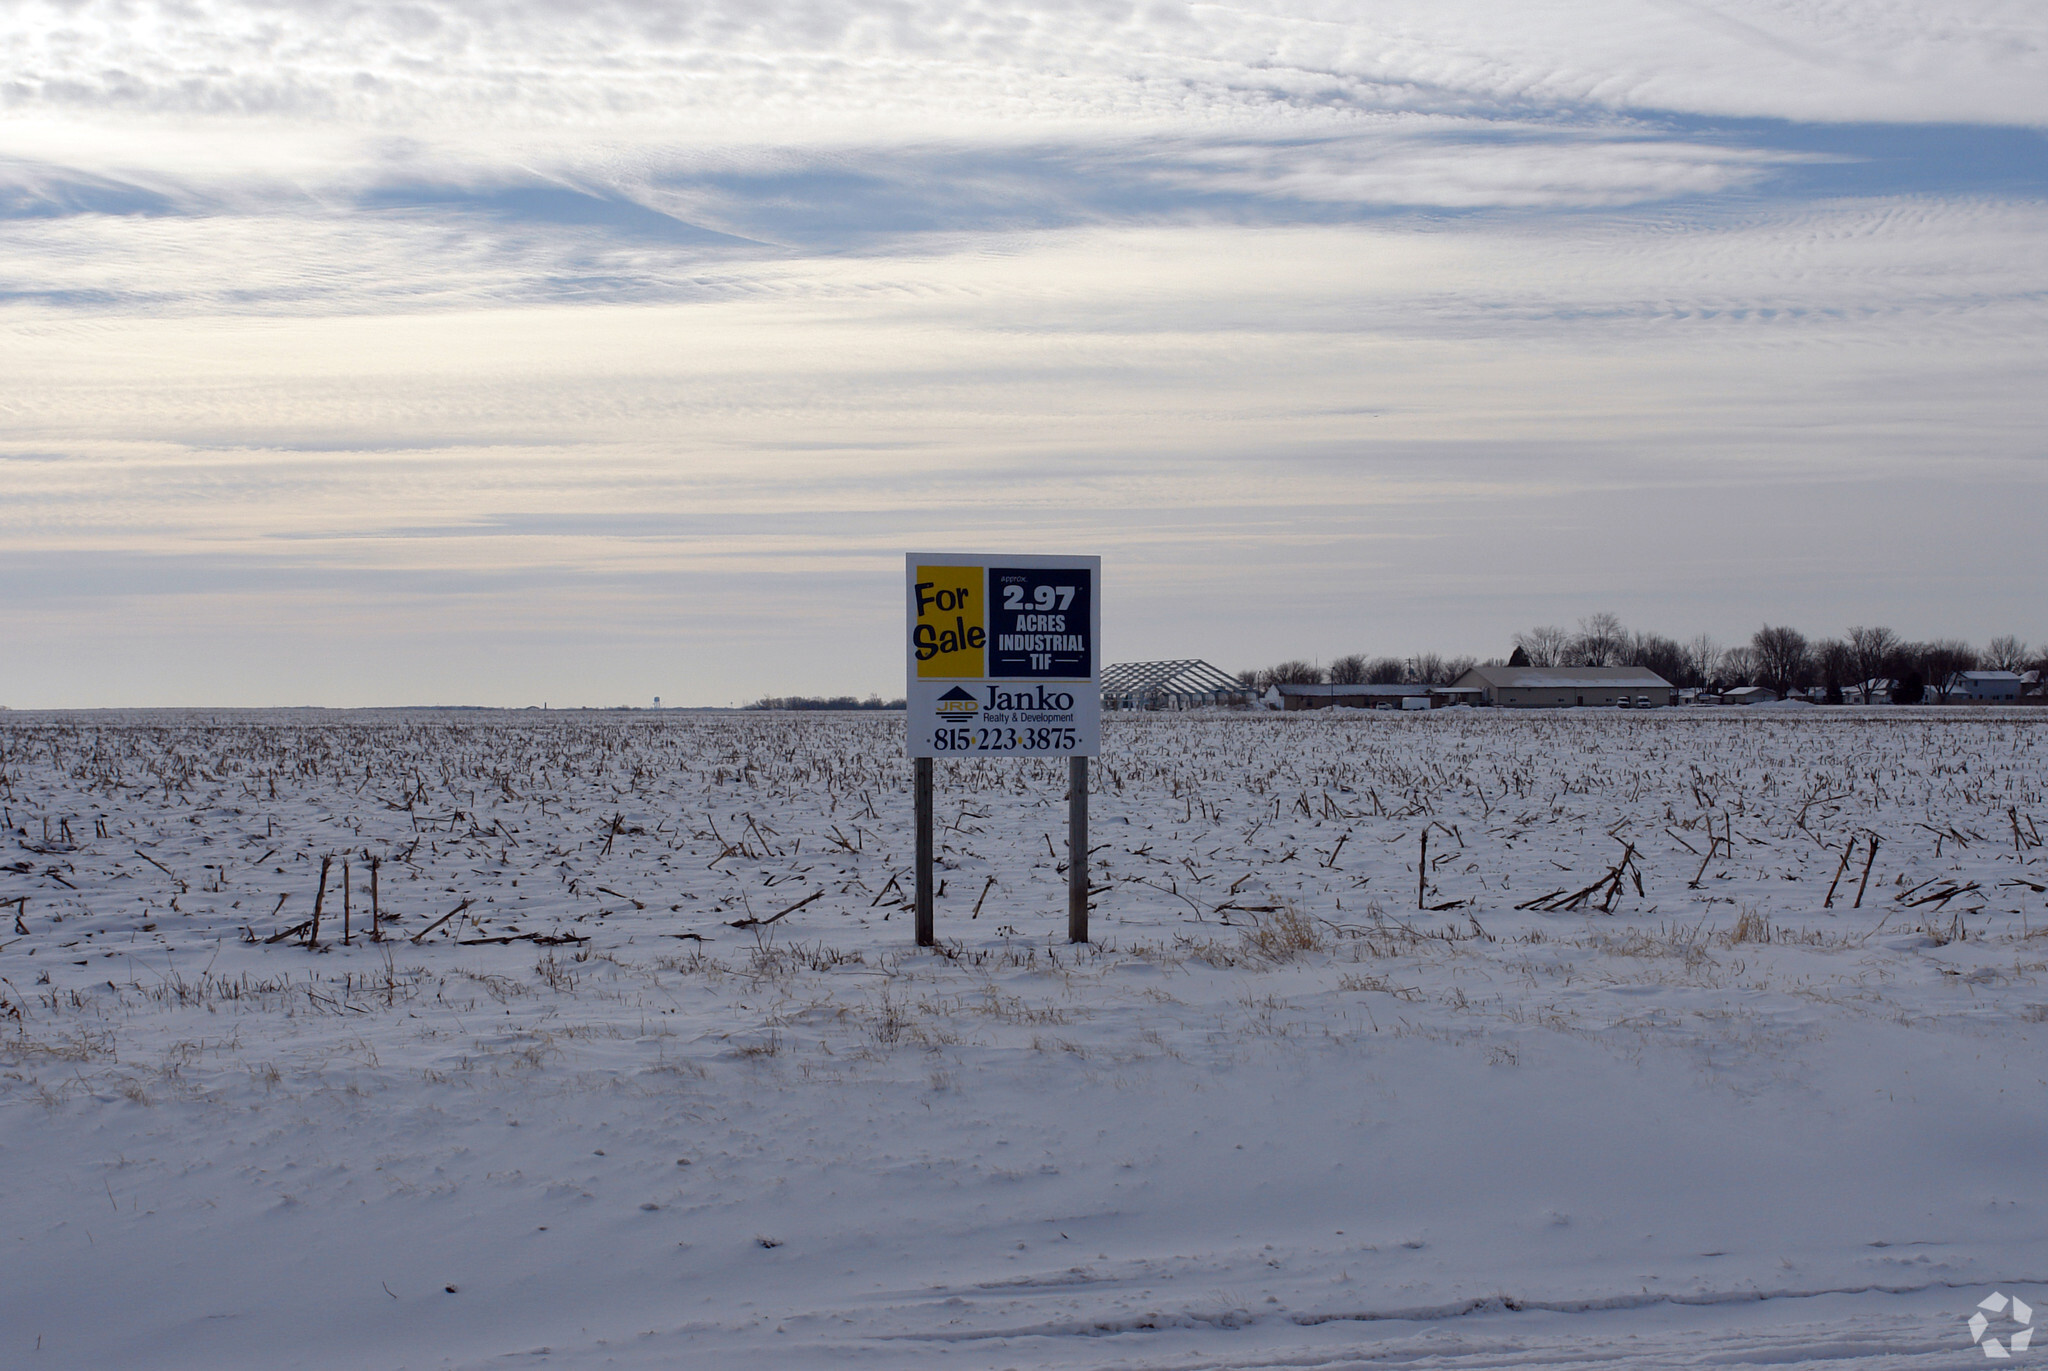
point(823, 702)
point(1777, 657)
point(1424, 668)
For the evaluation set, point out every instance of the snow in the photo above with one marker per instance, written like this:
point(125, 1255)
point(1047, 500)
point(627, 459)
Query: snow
point(1276, 1115)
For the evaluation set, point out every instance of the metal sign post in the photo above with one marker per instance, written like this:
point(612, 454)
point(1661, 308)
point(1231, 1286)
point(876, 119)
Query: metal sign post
point(1002, 659)
point(923, 804)
point(1077, 850)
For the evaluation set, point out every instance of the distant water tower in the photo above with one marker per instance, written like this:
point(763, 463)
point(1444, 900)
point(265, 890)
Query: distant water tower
point(657, 702)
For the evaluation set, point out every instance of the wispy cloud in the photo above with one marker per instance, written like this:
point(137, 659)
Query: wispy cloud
point(774, 67)
point(436, 328)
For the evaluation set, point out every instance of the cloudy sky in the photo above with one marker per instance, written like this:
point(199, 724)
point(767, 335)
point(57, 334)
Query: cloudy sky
point(364, 353)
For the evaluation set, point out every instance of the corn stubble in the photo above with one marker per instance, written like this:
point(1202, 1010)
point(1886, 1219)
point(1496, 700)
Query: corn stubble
point(173, 885)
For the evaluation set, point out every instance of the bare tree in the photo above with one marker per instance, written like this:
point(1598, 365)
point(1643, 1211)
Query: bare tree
point(1780, 657)
point(1385, 671)
point(1942, 659)
point(2006, 653)
point(1737, 667)
point(1660, 655)
point(1426, 668)
point(1808, 673)
point(1601, 641)
point(1349, 670)
point(1835, 660)
point(1874, 650)
point(1702, 658)
point(1545, 646)
point(1292, 673)
point(1454, 667)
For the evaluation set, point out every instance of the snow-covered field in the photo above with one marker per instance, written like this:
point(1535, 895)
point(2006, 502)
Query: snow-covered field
point(1607, 1082)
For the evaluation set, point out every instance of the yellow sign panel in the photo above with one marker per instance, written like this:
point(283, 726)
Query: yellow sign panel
point(950, 635)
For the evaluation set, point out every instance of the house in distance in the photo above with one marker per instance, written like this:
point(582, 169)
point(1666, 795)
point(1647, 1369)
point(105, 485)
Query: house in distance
point(1568, 687)
point(1984, 688)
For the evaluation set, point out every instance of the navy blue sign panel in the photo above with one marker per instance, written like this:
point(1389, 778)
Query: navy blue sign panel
point(1038, 621)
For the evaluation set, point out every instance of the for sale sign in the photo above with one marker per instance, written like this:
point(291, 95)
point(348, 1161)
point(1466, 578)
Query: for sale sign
point(1003, 655)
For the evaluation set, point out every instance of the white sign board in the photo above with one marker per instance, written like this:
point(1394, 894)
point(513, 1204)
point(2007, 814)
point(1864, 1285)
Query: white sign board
point(1003, 655)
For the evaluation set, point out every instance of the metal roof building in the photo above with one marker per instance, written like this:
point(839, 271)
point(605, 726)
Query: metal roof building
point(1293, 696)
point(1407, 695)
point(1183, 684)
point(1566, 687)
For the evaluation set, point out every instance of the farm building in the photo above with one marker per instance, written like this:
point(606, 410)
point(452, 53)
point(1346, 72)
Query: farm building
point(1294, 696)
point(1183, 684)
point(1983, 688)
point(1749, 695)
point(1567, 687)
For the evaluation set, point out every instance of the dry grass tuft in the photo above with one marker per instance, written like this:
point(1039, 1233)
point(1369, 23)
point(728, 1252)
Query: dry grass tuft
point(1285, 933)
point(759, 1048)
point(1751, 927)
